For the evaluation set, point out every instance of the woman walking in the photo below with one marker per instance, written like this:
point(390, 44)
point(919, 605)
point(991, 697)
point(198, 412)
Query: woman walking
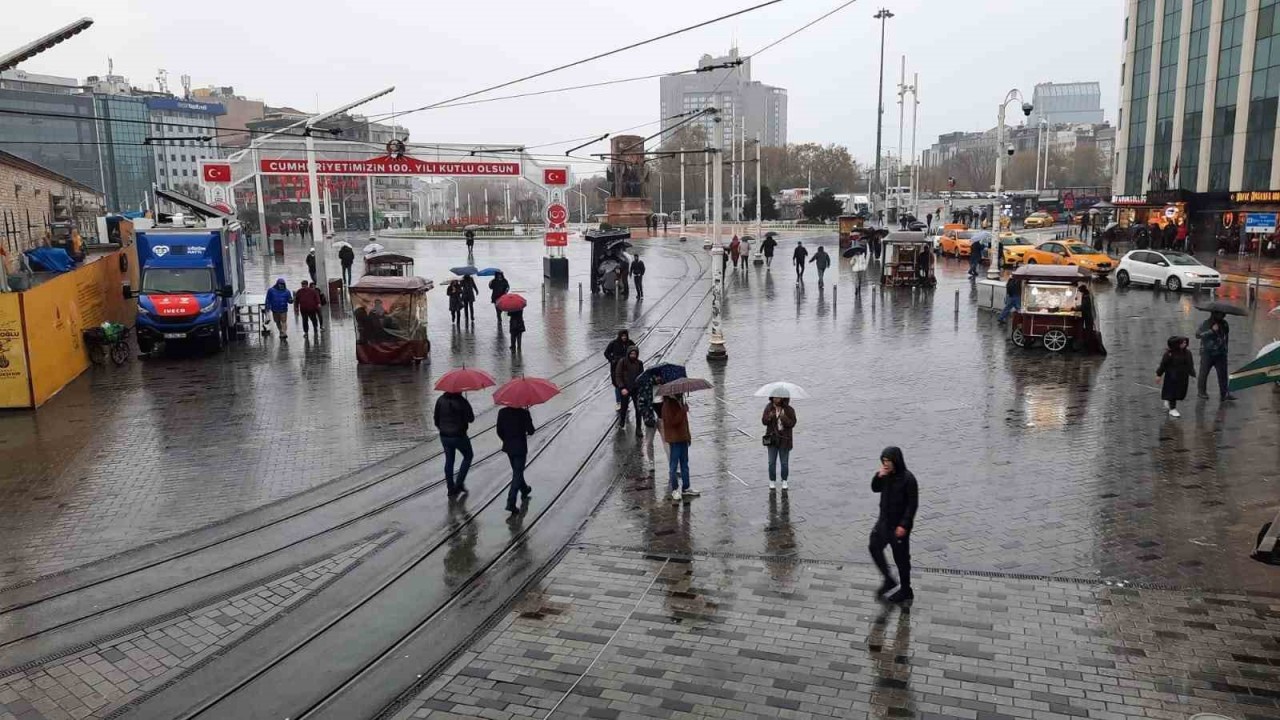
point(454, 293)
point(779, 419)
point(1177, 367)
point(675, 433)
point(498, 287)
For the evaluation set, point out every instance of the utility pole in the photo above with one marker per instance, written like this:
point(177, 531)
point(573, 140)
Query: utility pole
point(897, 176)
point(915, 170)
point(882, 16)
point(716, 351)
point(682, 223)
point(706, 191)
point(759, 207)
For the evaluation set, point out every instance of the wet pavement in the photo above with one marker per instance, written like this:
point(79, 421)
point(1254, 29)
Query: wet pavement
point(1065, 520)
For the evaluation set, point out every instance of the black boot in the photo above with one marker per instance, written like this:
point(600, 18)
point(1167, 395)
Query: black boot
point(888, 584)
point(903, 596)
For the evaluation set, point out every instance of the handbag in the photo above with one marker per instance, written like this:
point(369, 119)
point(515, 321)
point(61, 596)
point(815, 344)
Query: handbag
point(767, 440)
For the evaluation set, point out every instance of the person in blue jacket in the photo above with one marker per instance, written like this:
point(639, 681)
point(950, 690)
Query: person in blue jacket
point(278, 300)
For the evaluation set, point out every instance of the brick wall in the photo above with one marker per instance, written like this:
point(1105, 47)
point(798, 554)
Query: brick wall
point(26, 207)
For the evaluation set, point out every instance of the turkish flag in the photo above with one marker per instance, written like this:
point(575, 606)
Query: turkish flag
point(217, 172)
point(555, 176)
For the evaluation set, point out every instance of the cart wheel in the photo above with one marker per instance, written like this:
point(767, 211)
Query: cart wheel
point(119, 353)
point(1018, 337)
point(1055, 340)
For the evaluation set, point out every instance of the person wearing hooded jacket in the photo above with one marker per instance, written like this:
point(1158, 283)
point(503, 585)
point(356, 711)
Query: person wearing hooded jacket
point(278, 301)
point(767, 247)
point(899, 498)
point(822, 260)
point(625, 374)
point(779, 419)
point(1177, 367)
point(613, 352)
point(798, 258)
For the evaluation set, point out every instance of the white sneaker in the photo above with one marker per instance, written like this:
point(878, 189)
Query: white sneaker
point(691, 493)
point(773, 485)
point(1174, 413)
point(784, 484)
point(675, 495)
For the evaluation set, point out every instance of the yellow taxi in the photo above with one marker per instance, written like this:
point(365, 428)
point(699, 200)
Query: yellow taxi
point(1014, 246)
point(1070, 252)
point(956, 239)
point(1038, 220)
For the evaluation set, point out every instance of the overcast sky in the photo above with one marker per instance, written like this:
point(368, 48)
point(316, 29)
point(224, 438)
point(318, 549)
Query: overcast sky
point(335, 51)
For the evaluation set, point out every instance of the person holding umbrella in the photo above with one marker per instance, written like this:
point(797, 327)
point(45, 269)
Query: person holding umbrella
point(779, 420)
point(1214, 335)
point(767, 247)
point(498, 287)
point(513, 304)
point(514, 426)
point(675, 432)
point(453, 414)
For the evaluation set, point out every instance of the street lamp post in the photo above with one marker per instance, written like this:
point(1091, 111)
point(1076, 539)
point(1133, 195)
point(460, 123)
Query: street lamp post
point(759, 207)
point(682, 223)
point(993, 268)
point(717, 352)
point(882, 16)
point(897, 175)
point(915, 166)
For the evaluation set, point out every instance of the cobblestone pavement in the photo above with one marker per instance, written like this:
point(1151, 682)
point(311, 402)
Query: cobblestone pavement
point(623, 635)
point(101, 681)
point(126, 456)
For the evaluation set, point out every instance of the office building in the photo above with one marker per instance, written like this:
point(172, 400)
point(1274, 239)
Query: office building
point(128, 170)
point(240, 111)
point(1077, 103)
point(741, 100)
point(49, 121)
point(183, 132)
point(1197, 131)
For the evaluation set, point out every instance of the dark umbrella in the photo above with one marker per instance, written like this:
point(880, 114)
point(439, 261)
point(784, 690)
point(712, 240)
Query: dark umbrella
point(489, 272)
point(645, 382)
point(680, 386)
point(1224, 308)
point(463, 270)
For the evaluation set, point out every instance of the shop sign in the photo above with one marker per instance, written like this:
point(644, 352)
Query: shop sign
point(1166, 197)
point(1262, 223)
point(1128, 200)
point(1256, 196)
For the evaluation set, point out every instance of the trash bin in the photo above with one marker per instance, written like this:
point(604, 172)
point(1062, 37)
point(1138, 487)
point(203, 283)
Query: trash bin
point(335, 292)
point(277, 246)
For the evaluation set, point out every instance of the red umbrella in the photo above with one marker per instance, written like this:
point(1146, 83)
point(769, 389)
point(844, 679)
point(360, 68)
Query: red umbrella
point(464, 380)
point(524, 392)
point(511, 302)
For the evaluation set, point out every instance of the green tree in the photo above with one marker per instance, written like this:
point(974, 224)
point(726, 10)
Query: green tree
point(766, 199)
point(823, 206)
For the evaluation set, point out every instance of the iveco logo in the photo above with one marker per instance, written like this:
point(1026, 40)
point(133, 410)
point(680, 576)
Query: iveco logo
point(160, 250)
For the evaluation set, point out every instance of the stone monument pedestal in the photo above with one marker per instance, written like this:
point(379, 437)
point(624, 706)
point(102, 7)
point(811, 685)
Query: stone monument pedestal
point(627, 212)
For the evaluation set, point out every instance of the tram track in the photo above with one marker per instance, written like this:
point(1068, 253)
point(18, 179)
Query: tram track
point(31, 626)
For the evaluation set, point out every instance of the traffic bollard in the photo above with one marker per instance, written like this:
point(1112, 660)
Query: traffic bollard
point(957, 302)
point(579, 293)
point(835, 296)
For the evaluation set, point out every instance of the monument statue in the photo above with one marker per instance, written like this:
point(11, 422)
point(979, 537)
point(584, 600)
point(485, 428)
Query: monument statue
point(628, 206)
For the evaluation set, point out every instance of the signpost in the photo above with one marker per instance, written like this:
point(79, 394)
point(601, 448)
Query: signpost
point(1260, 222)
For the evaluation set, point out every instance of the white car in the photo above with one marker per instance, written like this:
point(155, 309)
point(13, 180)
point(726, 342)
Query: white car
point(1173, 270)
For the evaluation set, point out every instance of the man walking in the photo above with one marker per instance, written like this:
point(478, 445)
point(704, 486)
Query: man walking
point(1214, 334)
point(899, 497)
point(822, 260)
point(452, 416)
point(637, 273)
point(624, 379)
point(309, 300)
point(928, 223)
point(616, 350)
point(798, 257)
point(278, 301)
point(514, 427)
point(1012, 297)
point(346, 256)
point(311, 264)
point(767, 247)
point(975, 257)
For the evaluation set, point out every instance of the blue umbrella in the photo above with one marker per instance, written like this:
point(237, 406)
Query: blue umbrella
point(489, 272)
point(656, 375)
point(463, 270)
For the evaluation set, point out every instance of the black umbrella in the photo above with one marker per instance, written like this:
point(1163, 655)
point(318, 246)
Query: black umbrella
point(1222, 307)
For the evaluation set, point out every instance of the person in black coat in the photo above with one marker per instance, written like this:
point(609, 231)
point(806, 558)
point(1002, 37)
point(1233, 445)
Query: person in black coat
point(453, 414)
point(469, 294)
point(613, 352)
point(899, 497)
point(1177, 367)
point(347, 257)
point(454, 293)
point(498, 287)
point(625, 374)
point(517, 330)
point(798, 257)
point(637, 272)
point(767, 248)
point(514, 426)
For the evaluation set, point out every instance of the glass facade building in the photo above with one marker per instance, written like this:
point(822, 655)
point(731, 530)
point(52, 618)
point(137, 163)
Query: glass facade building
point(55, 130)
point(125, 155)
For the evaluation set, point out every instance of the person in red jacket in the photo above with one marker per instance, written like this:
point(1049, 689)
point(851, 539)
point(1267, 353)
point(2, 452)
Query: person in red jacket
point(309, 300)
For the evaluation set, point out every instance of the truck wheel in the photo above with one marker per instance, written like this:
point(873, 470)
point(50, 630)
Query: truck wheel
point(213, 343)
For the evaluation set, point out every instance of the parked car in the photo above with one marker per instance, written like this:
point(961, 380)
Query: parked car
point(1015, 247)
point(1173, 270)
point(1038, 220)
point(1070, 252)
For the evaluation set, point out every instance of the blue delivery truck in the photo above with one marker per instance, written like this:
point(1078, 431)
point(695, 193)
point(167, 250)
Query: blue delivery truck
point(191, 277)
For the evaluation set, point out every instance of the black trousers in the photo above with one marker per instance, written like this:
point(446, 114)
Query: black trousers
point(1218, 363)
point(881, 536)
point(518, 485)
point(310, 317)
point(639, 281)
point(629, 398)
point(517, 341)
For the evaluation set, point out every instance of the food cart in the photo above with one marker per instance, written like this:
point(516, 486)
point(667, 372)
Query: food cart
point(1053, 308)
point(908, 260)
point(388, 264)
point(390, 316)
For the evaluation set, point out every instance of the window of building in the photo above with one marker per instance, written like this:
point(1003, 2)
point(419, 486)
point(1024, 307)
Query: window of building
point(1260, 134)
point(1224, 98)
point(1161, 162)
point(1187, 169)
point(1138, 91)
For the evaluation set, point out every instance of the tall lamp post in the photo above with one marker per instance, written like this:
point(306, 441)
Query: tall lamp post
point(882, 16)
point(716, 351)
point(997, 207)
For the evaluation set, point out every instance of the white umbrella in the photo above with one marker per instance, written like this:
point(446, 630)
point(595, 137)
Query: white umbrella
point(782, 389)
point(342, 244)
point(372, 248)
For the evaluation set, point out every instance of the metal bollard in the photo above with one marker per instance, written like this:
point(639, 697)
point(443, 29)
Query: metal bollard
point(835, 296)
point(957, 302)
point(579, 293)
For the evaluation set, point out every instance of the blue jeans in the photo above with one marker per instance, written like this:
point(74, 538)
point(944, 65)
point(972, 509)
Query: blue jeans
point(518, 485)
point(453, 445)
point(1011, 303)
point(679, 459)
point(776, 453)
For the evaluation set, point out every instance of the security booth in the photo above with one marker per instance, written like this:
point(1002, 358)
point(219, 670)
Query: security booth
point(388, 264)
point(608, 253)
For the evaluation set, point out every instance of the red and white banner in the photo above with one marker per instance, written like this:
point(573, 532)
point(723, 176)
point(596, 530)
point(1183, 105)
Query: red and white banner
point(215, 172)
point(387, 165)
